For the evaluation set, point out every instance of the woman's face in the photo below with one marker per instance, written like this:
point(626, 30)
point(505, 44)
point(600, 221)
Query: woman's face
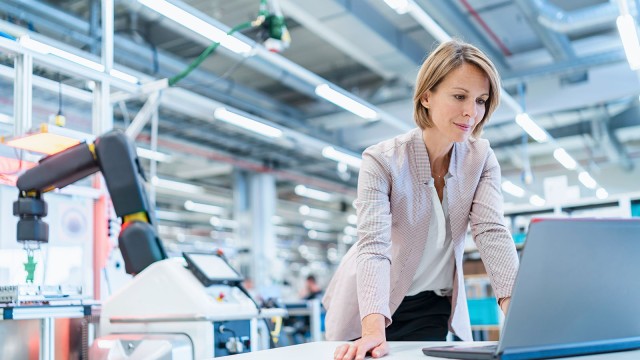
point(457, 104)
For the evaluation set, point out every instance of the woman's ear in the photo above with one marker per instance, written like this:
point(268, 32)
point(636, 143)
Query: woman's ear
point(424, 100)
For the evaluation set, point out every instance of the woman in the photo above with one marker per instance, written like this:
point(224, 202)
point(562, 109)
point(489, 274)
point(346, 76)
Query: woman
point(417, 193)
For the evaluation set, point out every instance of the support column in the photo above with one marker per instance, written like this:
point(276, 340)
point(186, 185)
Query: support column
point(102, 109)
point(263, 205)
point(102, 121)
point(22, 94)
point(47, 338)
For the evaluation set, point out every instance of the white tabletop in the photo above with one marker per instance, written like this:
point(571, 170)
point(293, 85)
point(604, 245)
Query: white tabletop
point(405, 350)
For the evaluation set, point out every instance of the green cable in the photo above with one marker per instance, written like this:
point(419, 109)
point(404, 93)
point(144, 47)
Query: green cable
point(174, 80)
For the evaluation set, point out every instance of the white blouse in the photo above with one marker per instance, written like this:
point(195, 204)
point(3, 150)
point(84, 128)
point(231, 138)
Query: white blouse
point(435, 271)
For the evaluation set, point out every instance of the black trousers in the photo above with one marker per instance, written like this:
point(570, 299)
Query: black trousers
point(421, 317)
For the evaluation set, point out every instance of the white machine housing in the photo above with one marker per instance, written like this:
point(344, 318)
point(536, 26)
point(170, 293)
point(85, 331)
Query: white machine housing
point(166, 298)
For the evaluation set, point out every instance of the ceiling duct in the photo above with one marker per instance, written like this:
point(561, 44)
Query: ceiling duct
point(597, 16)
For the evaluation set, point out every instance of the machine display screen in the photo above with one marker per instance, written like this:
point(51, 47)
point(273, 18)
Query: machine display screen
point(212, 269)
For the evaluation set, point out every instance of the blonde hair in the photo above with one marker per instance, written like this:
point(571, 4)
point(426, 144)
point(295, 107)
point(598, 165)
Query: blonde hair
point(447, 57)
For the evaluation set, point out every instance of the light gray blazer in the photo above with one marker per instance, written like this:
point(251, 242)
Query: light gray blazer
point(394, 207)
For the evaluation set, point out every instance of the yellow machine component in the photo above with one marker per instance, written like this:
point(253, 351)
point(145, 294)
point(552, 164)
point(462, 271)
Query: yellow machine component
point(92, 148)
point(139, 216)
point(277, 326)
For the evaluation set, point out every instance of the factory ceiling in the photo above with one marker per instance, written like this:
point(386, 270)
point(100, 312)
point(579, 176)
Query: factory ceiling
point(561, 61)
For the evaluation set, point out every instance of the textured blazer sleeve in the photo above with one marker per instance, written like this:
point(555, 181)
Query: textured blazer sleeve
point(374, 233)
point(494, 242)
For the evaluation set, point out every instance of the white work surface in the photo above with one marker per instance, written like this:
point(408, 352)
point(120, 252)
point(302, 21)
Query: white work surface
point(405, 350)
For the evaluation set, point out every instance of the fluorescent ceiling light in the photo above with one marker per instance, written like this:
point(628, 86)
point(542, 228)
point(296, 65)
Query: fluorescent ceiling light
point(346, 102)
point(225, 223)
point(246, 123)
point(565, 159)
point(153, 155)
point(314, 225)
point(168, 215)
point(203, 208)
point(43, 48)
point(350, 230)
point(536, 200)
point(629, 36)
point(330, 153)
point(305, 210)
point(175, 185)
point(587, 180)
point(197, 25)
point(347, 239)
point(535, 131)
point(400, 6)
point(513, 189)
point(312, 193)
point(602, 193)
point(316, 235)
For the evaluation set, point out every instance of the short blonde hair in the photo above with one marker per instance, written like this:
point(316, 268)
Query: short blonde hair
point(447, 57)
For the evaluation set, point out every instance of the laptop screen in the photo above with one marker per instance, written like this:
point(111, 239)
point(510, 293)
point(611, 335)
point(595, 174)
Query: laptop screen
point(578, 283)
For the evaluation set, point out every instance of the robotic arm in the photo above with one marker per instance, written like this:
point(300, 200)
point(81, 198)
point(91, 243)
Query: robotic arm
point(114, 155)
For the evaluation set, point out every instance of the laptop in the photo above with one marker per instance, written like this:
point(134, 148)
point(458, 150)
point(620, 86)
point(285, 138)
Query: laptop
point(577, 292)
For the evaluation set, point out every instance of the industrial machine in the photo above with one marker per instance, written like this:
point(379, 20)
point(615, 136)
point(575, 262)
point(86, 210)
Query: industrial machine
point(191, 305)
point(194, 297)
point(114, 155)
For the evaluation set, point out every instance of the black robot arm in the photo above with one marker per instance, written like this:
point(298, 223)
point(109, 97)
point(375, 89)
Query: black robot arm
point(114, 155)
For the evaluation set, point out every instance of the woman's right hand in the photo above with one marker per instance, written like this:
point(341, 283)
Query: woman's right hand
point(373, 341)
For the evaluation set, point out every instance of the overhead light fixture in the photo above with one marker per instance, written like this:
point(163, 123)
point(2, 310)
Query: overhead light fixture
point(43, 48)
point(317, 235)
point(178, 186)
point(153, 155)
point(346, 102)
point(587, 180)
point(513, 189)
point(331, 153)
point(225, 223)
point(204, 208)
point(348, 239)
point(400, 6)
point(168, 215)
point(350, 230)
point(565, 159)
point(49, 139)
point(322, 214)
point(536, 200)
point(627, 29)
point(246, 123)
point(197, 25)
point(314, 225)
point(535, 131)
point(312, 193)
point(601, 193)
